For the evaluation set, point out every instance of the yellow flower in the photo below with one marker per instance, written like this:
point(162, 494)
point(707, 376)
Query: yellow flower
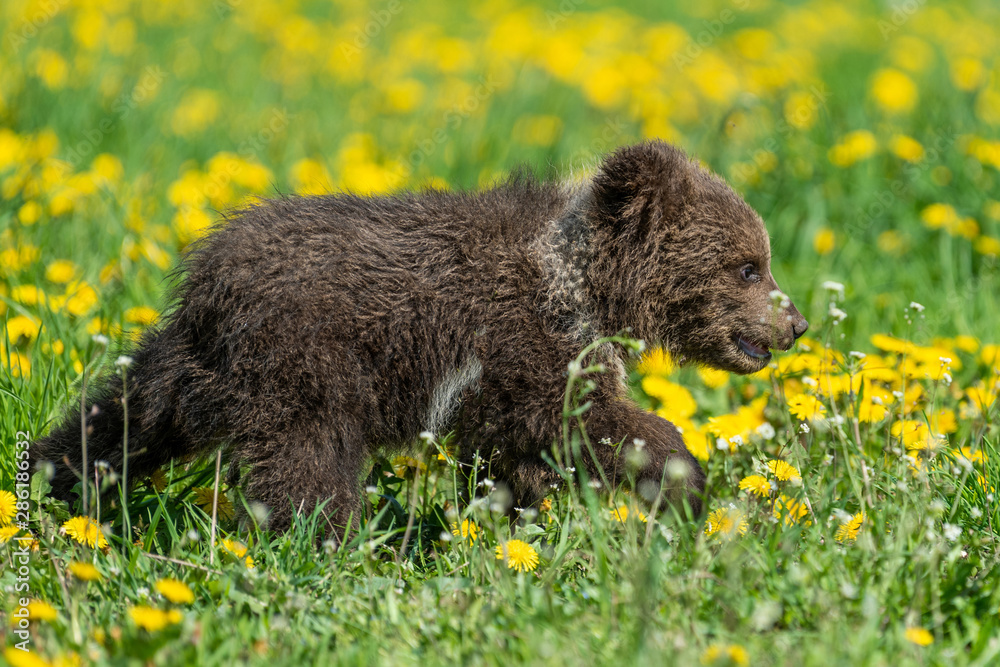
point(41, 611)
point(141, 315)
point(790, 509)
point(675, 400)
point(545, 505)
point(407, 466)
point(518, 555)
point(204, 497)
point(22, 325)
point(919, 636)
point(726, 522)
point(81, 298)
point(907, 148)
point(621, 514)
point(15, 657)
point(84, 571)
point(733, 655)
point(987, 245)
point(824, 242)
point(8, 507)
point(967, 73)
point(805, 407)
point(60, 271)
point(175, 591)
point(854, 147)
point(85, 530)
point(848, 531)
point(940, 216)
point(757, 484)
point(468, 529)
point(153, 620)
point(712, 377)
point(7, 533)
point(783, 470)
point(29, 213)
point(894, 91)
point(656, 361)
point(234, 547)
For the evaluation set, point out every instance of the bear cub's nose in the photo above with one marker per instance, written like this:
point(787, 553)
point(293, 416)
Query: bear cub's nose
point(800, 327)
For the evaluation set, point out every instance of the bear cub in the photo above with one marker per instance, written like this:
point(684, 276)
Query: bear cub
point(310, 332)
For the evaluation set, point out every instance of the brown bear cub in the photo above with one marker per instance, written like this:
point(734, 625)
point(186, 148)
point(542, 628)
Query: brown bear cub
point(311, 332)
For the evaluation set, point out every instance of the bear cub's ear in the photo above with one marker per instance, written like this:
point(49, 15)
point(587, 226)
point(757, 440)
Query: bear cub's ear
point(644, 187)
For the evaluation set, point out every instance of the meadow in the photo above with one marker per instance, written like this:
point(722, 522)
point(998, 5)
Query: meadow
point(851, 513)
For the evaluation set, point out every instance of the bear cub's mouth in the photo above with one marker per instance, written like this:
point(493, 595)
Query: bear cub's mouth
point(753, 349)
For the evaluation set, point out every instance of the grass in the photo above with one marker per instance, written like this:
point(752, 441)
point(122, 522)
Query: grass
point(125, 129)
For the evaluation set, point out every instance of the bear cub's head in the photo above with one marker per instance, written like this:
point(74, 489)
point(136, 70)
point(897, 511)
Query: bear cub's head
point(689, 263)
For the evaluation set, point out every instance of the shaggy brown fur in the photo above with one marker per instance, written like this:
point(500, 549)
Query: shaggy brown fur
point(311, 332)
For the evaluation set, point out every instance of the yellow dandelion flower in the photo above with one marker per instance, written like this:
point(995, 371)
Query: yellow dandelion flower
point(757, 484)
point(656, 361)
point(906, 148)
point(518, 555)
point(894, 91)
point(142, 315)
point(85, 530)
point(175, 591)
point(674, 399)
point(733, 655)
point(22, 325)
point(712, 377)
point(60, 271)
point(407, 466)
point(987, 245)
point(919, 636)
point(15, 657)
point(469, 529)
point(848, 531)
point(84, 571)
point(545, 505)
point(7, 533)
point(726, 522)
point(790, 509)
point(235, 547)
point(977, 456)
point(152, 619)
point(621, 514)
point(249, 562)
point(783, 470)
point(203, 498)
point(805, 407)
point(41, 611)
point(940, 216)
point(8, 507)
point(854, 147)
point(824, 241)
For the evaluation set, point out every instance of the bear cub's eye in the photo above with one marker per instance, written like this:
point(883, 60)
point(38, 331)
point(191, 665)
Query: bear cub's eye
point(749, 273)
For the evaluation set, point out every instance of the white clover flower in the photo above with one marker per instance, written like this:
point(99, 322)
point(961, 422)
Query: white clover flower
point(833, 286)
point(124, 361)
point(856, 354)
point(766, 431)
point(916, 306)
point(809, 381)
point(101, 339)
point(951, 532)
point(975, 512)
point(721, 444)
point(837, 314)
